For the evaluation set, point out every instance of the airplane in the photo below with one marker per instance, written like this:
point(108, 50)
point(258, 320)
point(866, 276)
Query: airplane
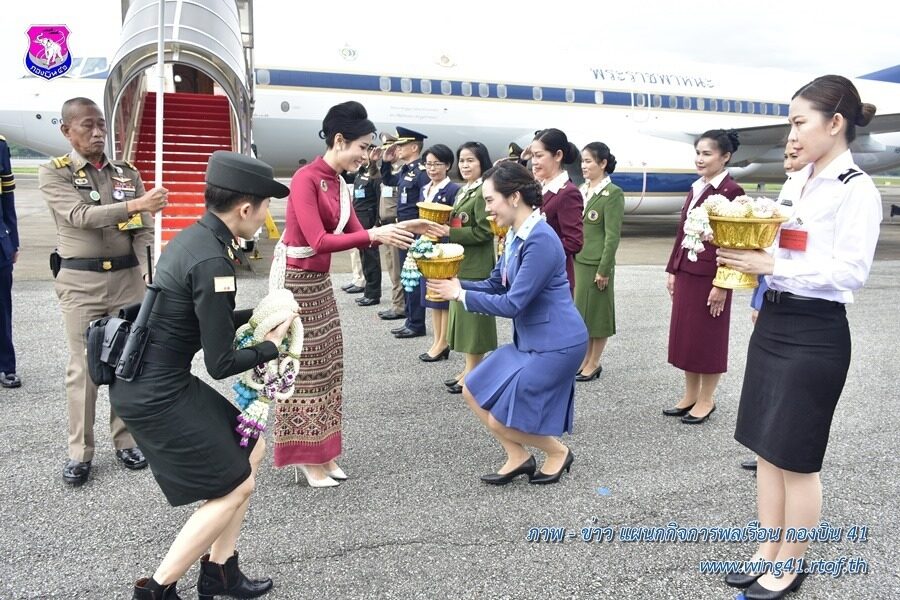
point(649, 116)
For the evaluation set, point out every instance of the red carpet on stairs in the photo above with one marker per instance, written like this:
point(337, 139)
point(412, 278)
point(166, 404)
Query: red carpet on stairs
point(194, 126)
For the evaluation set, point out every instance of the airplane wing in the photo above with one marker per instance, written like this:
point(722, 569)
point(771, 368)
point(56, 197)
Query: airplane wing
point(776, 135)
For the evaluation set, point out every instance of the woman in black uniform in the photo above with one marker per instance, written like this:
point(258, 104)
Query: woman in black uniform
point(185, 427)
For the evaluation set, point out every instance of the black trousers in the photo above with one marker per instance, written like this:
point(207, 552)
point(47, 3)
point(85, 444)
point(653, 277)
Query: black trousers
point(7, 353)
point(371, 259)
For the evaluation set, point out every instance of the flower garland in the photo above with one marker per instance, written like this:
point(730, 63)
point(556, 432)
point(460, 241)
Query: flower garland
point(257, 388)
point(409, 272)
point(696, 231)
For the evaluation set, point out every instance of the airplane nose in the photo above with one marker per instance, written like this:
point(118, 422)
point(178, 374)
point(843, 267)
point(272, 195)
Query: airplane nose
point(11, 121)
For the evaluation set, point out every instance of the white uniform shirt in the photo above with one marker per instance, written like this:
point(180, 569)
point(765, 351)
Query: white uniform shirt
point(431, 189)
point(843, 221)
point(587, 194)
point(557, 183)
point(701, 184)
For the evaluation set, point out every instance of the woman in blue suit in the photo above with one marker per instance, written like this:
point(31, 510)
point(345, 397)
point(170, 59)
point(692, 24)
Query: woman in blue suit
point(524, 392)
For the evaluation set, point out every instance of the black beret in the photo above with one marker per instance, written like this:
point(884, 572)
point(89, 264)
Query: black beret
point(243, 174)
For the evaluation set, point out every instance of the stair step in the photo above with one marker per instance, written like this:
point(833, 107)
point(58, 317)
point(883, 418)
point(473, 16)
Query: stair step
point(179, 186)
point(172, 157)
point(186, 197)
point(182, 210)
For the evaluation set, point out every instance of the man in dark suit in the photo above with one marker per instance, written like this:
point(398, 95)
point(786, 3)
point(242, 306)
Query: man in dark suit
point(9, 252)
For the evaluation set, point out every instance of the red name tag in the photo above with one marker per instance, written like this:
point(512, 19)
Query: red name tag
point(455, 222)
point(793, 239)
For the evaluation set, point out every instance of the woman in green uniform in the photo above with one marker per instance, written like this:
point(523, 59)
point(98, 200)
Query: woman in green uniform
point(186, 428)
point(469, 333)
point(595, 264)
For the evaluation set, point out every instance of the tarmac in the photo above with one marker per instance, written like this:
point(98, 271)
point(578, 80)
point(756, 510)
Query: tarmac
point(414, 521)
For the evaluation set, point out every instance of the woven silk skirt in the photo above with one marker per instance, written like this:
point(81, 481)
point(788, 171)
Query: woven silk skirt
point(308, 424)
point(796, 368)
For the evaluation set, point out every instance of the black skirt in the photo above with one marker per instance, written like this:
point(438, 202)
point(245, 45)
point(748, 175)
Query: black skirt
point(796, 368)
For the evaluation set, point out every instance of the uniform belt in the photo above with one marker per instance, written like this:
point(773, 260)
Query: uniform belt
point(100, 265)
point(779, 297)
point(160, 355)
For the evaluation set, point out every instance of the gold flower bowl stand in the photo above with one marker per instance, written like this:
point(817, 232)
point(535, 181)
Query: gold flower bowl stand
point(741, 233)
point(436, 213)
point(438, 268)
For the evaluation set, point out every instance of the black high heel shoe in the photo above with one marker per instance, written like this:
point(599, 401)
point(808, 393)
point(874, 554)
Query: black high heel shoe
point(690, 419)
point(444, 355)
point(526, 468)
point(590, 377)
point(741, 580)
point(759, 592)
point(677, 412)
point(541, 478)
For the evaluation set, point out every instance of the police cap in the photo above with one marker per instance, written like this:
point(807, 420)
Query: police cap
point(405, 136)
point(243, 174)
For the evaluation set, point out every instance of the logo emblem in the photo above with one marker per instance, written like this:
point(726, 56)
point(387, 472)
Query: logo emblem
point(592, 215)
point(464, 217)
point(324, 185)
point(48, 51)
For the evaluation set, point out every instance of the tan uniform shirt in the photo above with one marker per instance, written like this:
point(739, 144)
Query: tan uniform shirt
point(88, 207)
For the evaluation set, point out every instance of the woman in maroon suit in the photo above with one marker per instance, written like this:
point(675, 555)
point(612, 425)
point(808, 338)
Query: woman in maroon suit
point(698, 332)
point(562, 204)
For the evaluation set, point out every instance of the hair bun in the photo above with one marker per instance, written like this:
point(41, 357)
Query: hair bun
point(321, 134)
point(866, 113)
point(735, 139)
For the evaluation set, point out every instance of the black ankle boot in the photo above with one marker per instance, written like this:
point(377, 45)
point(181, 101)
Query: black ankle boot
point(227, 580)
point(148, 589)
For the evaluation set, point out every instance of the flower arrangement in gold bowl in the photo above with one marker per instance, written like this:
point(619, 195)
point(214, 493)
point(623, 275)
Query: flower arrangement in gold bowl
point(434, 212)
point(431, 260)
point(499, 231)
point(744, 223)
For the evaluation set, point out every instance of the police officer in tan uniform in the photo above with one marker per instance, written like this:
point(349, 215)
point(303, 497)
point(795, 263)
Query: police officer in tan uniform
point(104, 222)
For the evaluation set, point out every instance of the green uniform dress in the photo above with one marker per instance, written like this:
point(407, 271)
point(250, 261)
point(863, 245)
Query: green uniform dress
point(602, 220)
point(467, 332)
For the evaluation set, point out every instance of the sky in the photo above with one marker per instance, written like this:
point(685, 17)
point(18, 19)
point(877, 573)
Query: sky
point(829, 36)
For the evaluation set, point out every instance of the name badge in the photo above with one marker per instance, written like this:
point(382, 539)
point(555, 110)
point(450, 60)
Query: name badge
point(403, 197)
point(359, 193)
point(793, 239)
point(387, 191)
point(456, 222)
point(224, 284)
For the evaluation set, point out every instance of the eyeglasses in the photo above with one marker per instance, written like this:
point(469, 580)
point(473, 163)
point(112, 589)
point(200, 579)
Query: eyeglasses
point(434, 165)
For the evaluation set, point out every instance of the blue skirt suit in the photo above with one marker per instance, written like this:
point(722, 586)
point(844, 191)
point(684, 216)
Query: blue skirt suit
point(529, 385)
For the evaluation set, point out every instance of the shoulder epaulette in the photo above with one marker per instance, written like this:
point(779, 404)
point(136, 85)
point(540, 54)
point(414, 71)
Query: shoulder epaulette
point(849, 174)
point(61, 161)
point(127, 163)
point(2, 138)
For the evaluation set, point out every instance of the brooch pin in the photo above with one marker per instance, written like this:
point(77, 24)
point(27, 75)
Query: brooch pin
point(324, 185)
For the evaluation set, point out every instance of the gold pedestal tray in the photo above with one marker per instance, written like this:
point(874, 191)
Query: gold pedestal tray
point(435, 212)
point(499, 230)
point(741, 234)
point(438, 268)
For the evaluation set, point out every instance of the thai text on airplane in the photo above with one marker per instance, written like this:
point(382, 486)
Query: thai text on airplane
point(673, 79)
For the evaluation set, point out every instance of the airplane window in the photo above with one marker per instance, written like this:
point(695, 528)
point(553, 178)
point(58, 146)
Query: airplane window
point(263, 77)
point(673, 101)
point(406, 85)
point(537, 93)
point(686, 103)
point(446, 88)
point(738, 106)
point(776, 109)
point(484, 90)
point(640, 100)
point(763, 108)
point(466, 88)
point(570, 95)
point(425, 86)
point(751, 107)
point(726, 105)
point(285, 106)
point(657, 101)
point(598, 97)
point(501, 90)
point(384, 84)
point(701, 103)
point(713, 104)
point(93, 66)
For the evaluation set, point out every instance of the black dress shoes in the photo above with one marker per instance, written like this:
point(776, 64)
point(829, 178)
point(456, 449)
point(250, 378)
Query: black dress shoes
point(451, 382)
point(677, 412)
point(758, 592)
point(593, 375)
point(365, 301)
point(750, 465)
point(148, 589)
point(692, 420)
point(455, 389)
point(227, 580)
point(390, 315)
point(132, 458)
point(408, 333)
point(10, 380)
point(444, 355)
point(741, 580)
point(541, 478)
point(526, 468)
point(76, 473)
point(355, 289)
point(397, 330)
point(347, 286)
